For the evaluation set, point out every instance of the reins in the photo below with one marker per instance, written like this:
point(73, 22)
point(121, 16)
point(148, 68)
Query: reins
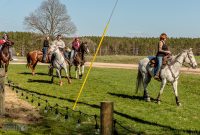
point(182, 63)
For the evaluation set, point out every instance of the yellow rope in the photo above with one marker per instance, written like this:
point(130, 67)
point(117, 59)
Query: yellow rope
point(104, 33)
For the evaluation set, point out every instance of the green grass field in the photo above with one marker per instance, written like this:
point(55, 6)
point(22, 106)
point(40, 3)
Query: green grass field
point(115, 85)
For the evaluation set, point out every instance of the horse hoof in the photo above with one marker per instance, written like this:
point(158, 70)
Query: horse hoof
point(158, 102)
point(61, 83)
point(178, 104)
point(69, 81)
point(147, 99)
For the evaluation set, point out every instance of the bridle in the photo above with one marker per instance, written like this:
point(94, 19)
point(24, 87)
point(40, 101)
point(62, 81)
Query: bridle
point(189, 57)
point(182, 63)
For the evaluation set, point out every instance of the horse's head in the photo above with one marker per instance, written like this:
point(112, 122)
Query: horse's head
point(53, 48)
point(8, 43)
point(84, 47)
point(190, 59)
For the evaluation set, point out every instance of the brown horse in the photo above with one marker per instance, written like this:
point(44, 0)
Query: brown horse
point(32, 59)
point(5, 55)
point(79, 60)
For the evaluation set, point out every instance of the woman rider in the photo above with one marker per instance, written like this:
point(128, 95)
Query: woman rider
point(163, 50)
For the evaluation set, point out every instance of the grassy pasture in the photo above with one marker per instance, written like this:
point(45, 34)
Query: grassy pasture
point(115, 85)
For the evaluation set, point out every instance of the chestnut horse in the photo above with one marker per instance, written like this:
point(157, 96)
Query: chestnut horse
point(5, 55)
point(32, 59)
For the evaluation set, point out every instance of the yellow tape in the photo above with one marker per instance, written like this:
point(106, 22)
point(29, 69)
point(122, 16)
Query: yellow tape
point(104, 33)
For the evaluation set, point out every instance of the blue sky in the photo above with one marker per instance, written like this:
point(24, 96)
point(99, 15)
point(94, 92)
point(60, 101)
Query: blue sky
point(141, 18)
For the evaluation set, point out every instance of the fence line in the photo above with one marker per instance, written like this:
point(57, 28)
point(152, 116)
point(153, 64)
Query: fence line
point(56, 108)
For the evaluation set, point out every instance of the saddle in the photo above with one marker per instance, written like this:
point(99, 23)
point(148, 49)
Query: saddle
point(153, 62)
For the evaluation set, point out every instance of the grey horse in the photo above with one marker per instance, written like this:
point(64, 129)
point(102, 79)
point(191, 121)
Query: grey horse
point(169, 73)
point(58, 62)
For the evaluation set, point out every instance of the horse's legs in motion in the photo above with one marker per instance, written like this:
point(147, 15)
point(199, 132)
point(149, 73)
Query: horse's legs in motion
point(34, 63)
point(58, 73)
point(82, 71)
point(68, 78)
point(146, 80)
point(70, 66)
point(175, 83)
point(163, 83)
point(51, 74)
point(77, 69)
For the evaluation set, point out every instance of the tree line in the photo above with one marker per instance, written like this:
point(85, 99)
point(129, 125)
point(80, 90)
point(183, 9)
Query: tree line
point(27, 41)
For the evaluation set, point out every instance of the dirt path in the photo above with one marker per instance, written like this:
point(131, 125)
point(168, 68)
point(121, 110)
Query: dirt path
point(123, 66)
point(18, 110)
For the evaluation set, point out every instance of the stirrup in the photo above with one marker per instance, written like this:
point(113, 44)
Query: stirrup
point(50, 66)
point(156, 77)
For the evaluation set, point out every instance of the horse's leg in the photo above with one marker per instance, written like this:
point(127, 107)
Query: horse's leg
point(146, 80)
point(6, 67)
point(79, 72)
point(68, 79)
point(76, 70)
point(58, 73)
point(34, 63)
point(163, 83)
point(52, 75)
point(70, 71)
point(82, 71)
point(175, 83)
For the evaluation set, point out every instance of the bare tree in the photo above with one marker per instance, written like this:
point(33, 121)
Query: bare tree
point(50, 18)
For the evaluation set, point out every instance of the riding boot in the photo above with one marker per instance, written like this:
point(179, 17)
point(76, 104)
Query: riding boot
point(71, 61)
point(157, 76)
point(43, 61)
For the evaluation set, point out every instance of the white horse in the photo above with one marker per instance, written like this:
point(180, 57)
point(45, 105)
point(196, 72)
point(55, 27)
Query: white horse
point(58, 62)
point(169, 73)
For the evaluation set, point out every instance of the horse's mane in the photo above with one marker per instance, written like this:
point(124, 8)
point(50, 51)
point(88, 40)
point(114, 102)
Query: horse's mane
point(175, 57)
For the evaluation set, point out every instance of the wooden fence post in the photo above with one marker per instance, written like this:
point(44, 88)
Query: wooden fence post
point(2, 91)
point(106, 118)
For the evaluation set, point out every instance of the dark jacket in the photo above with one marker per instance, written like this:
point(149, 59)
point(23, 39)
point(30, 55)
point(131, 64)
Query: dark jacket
point(46, 43)
point(165, 48)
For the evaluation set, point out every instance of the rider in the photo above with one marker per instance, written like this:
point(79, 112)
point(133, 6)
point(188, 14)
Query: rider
point(163, 50)
point(75, 47)
point(45, 48)
point(60, 43)
point(5, 38)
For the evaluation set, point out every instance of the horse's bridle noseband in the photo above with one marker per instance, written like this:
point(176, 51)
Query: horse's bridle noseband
point(191, 63)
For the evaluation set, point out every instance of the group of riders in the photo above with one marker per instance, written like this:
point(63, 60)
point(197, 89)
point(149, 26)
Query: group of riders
point(62, 47)
point(162, 51)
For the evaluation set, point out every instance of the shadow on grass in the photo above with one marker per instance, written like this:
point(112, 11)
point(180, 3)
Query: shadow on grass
point(28, 73)
point(140, 98)
point(126, 96)
point(127, 116)
point(39, 81)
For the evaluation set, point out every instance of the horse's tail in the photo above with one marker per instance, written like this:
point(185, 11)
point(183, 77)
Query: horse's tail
point(139, 81)
point(28, 58)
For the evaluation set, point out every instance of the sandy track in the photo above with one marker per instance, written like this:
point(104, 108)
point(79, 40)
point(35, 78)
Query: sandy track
point(19, 110)
point(122, 66)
